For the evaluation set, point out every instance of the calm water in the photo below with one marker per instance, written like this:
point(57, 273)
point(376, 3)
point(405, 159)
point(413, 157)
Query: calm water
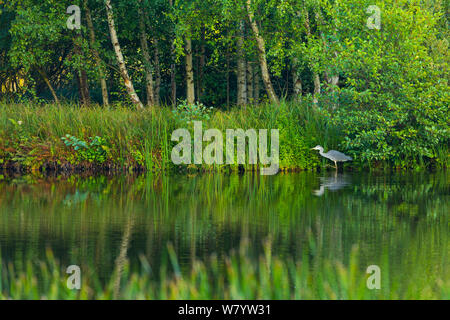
point(85, 221)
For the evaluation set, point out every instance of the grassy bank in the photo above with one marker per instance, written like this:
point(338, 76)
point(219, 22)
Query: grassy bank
point(73, 138)
point(235, 277)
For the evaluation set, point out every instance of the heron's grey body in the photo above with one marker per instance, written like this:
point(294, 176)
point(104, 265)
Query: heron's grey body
point(333, 155)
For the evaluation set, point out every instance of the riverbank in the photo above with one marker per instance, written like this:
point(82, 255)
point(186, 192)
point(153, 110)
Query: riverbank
point(74, 139)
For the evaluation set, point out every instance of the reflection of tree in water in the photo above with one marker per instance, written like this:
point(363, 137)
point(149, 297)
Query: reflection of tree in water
point(122, 258)
point(333, 183)
point(210, 213)
point(420, 194)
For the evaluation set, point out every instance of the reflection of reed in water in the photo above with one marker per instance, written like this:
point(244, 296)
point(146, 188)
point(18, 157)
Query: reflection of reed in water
point(333, 183)
point(121, 259)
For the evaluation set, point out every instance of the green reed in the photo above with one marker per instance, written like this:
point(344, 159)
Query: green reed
point(30, 134)
point(236, 276)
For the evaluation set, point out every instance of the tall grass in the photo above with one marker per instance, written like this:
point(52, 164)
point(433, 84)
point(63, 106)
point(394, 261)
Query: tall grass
point(30, 135)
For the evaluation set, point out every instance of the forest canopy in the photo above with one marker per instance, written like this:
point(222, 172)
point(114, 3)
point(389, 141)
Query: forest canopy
point(379, 69)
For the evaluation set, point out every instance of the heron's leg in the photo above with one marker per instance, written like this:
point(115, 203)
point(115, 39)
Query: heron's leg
point(335, 163)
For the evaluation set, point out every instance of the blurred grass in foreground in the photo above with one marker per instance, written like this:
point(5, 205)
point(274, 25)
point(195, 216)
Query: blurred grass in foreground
point(239, 277)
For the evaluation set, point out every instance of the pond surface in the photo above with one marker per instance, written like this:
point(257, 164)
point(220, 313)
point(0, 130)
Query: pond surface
point(86, 221)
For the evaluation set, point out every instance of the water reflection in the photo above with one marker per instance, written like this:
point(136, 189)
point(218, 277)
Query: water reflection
point(336, 182)
point(104, 223)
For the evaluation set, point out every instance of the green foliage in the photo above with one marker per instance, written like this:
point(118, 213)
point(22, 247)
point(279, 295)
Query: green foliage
point(96, 150)
point(394, 107)
point(374, 136)
point(295, 146)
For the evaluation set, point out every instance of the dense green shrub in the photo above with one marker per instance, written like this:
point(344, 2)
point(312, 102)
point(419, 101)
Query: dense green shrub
point(394, 96)
point(96, 150)
point(295, 145)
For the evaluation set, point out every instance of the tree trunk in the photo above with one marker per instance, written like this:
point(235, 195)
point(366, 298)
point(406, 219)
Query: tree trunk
point(122, 66)
point(201, 65)
point(81, 72)
point(316, 77)
point(190, 87)
point(241, 68)
point(81, 82)
point(197, 64)
point(257, 87)
point(146, 57)
point(85, 87)
point(96, 55)
point(316, 87)
point(173, 83)
point(333, 81)
point(297, 86)
point(262, 55)
point(47, 81)
point(157, 73)
point(228, 77)
point(250, 83)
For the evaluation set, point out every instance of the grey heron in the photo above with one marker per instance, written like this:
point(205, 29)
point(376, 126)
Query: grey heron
point(333, 155)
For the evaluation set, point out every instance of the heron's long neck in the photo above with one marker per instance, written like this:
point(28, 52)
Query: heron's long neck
point(321, 152)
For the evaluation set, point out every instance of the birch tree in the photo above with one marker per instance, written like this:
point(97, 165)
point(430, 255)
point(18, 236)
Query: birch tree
point(261, 54)
point(316, 76)
point(190, 86)
point(98, 61)
point(146, 56)
point(173, 67)
point(241, 66)
point(119, 56)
